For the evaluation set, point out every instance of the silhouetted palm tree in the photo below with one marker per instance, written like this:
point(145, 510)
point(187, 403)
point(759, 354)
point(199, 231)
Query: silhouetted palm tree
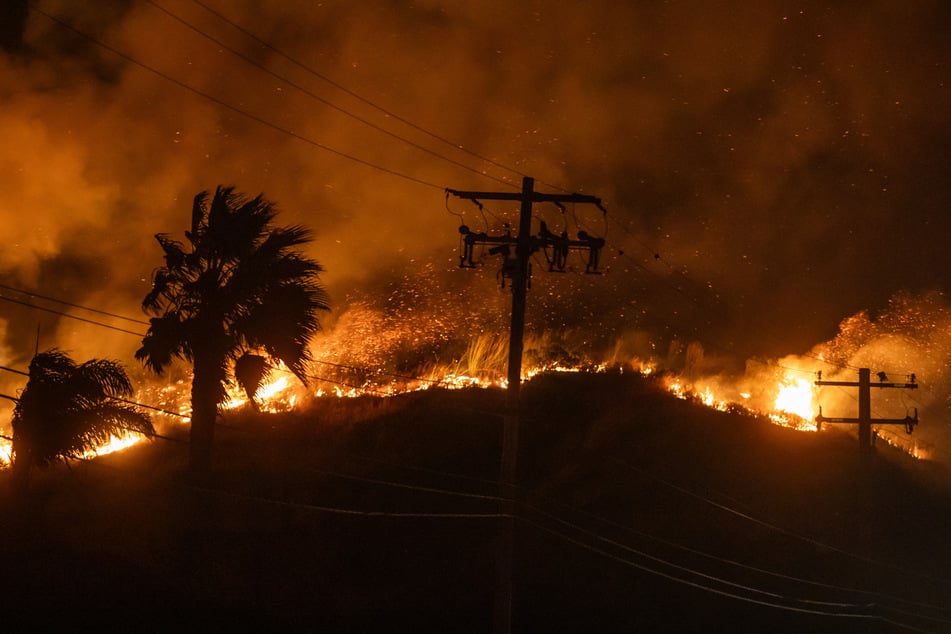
point(242, 285)
point(67, 409)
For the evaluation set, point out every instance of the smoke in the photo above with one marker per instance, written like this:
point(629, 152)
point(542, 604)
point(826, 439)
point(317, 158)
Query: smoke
point(768, 169)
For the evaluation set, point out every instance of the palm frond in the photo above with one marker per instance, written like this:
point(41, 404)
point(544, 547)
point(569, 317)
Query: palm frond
point(199, 212)
point(102, 378)
point(174, 251)
point(67, 409)
point(250, 371)
point(164, 340)
point(284, 323)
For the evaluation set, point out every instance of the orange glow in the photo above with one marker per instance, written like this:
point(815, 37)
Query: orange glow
point(115, 443)
point(785, 400)
point(796, 397)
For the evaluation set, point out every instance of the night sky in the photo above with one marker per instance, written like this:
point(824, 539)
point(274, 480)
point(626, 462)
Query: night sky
point(769, 169)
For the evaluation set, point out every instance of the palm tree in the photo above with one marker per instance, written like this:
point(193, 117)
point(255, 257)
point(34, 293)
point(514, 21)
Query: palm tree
point(66, 410)
point(241, 286)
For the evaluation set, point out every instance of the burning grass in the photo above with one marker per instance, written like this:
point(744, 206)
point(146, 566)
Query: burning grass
point(776, 391)
point(368, 353)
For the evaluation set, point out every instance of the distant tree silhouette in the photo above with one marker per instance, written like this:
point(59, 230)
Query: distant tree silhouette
point(68, 409)
point(241, 286)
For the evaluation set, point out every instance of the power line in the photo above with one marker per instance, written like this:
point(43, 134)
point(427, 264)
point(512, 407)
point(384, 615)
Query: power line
point(137, 334)
point(777, 528)
point(320, 99)
point(62, 314)
point(65, 303)
point(347, 511)
point(525, 493)
point(412, 487)
point(755, 569)
point(231, 107)
point(687, 582)
point(362, 99)
point(114, 398)
point(398, 465)
point(588, 546)
point(712, 304)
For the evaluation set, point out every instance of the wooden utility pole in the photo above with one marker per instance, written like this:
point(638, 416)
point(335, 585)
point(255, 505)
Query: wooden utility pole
point(865, 419)
point(517, 268)
point(525, 245)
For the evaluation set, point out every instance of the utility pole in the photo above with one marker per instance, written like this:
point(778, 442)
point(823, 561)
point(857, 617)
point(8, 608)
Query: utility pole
point(517, 268)
point(865, 419)
point(525, 244)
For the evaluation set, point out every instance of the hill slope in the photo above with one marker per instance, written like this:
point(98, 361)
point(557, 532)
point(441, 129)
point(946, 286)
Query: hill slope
point(638, 511)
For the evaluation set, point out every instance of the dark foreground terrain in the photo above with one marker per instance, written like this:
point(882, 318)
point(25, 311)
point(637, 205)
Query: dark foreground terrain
point(637, 512)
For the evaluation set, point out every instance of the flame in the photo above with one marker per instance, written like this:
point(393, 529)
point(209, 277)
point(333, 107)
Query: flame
point(795, 404)
point(785, 400)
point(114, 444)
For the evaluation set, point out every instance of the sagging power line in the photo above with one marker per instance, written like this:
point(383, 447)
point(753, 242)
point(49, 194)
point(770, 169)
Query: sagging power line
point(322, 100)
point(386, 112)
point(224, 104)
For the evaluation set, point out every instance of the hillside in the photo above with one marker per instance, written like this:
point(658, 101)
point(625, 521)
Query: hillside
point(638, 512)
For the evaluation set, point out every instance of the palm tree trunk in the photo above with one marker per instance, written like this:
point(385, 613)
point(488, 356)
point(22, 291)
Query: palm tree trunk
point(206, 386)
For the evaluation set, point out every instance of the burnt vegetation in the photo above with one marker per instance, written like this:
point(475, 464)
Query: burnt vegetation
point(638, 512)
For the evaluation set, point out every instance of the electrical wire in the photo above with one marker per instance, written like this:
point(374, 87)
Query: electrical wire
point(841, 608)
point(687, 582)
point(348, 511)
point(771, 573)
point(657, 257)
point(411, 487)
point(778, 529)
point(233, 108)
point(72, 305)
point(137, 334)
point(320, 99)
point(76, 317)
point(419, 469)
point(362, 99)
point(602, 538)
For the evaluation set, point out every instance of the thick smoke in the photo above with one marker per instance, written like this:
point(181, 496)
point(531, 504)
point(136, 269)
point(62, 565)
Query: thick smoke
point(768, 168)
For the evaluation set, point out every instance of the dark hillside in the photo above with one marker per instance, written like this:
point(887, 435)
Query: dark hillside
point(638, 512)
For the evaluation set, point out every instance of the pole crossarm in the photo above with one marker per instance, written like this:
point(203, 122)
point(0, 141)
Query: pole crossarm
point(524, 243)
point(907, 420)
point(909, 386)
point(530, 197)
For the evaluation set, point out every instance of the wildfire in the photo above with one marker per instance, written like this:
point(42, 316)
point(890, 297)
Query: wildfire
point(114, 444)
point(796, 397)
point(786, 400)
point(793, 403)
